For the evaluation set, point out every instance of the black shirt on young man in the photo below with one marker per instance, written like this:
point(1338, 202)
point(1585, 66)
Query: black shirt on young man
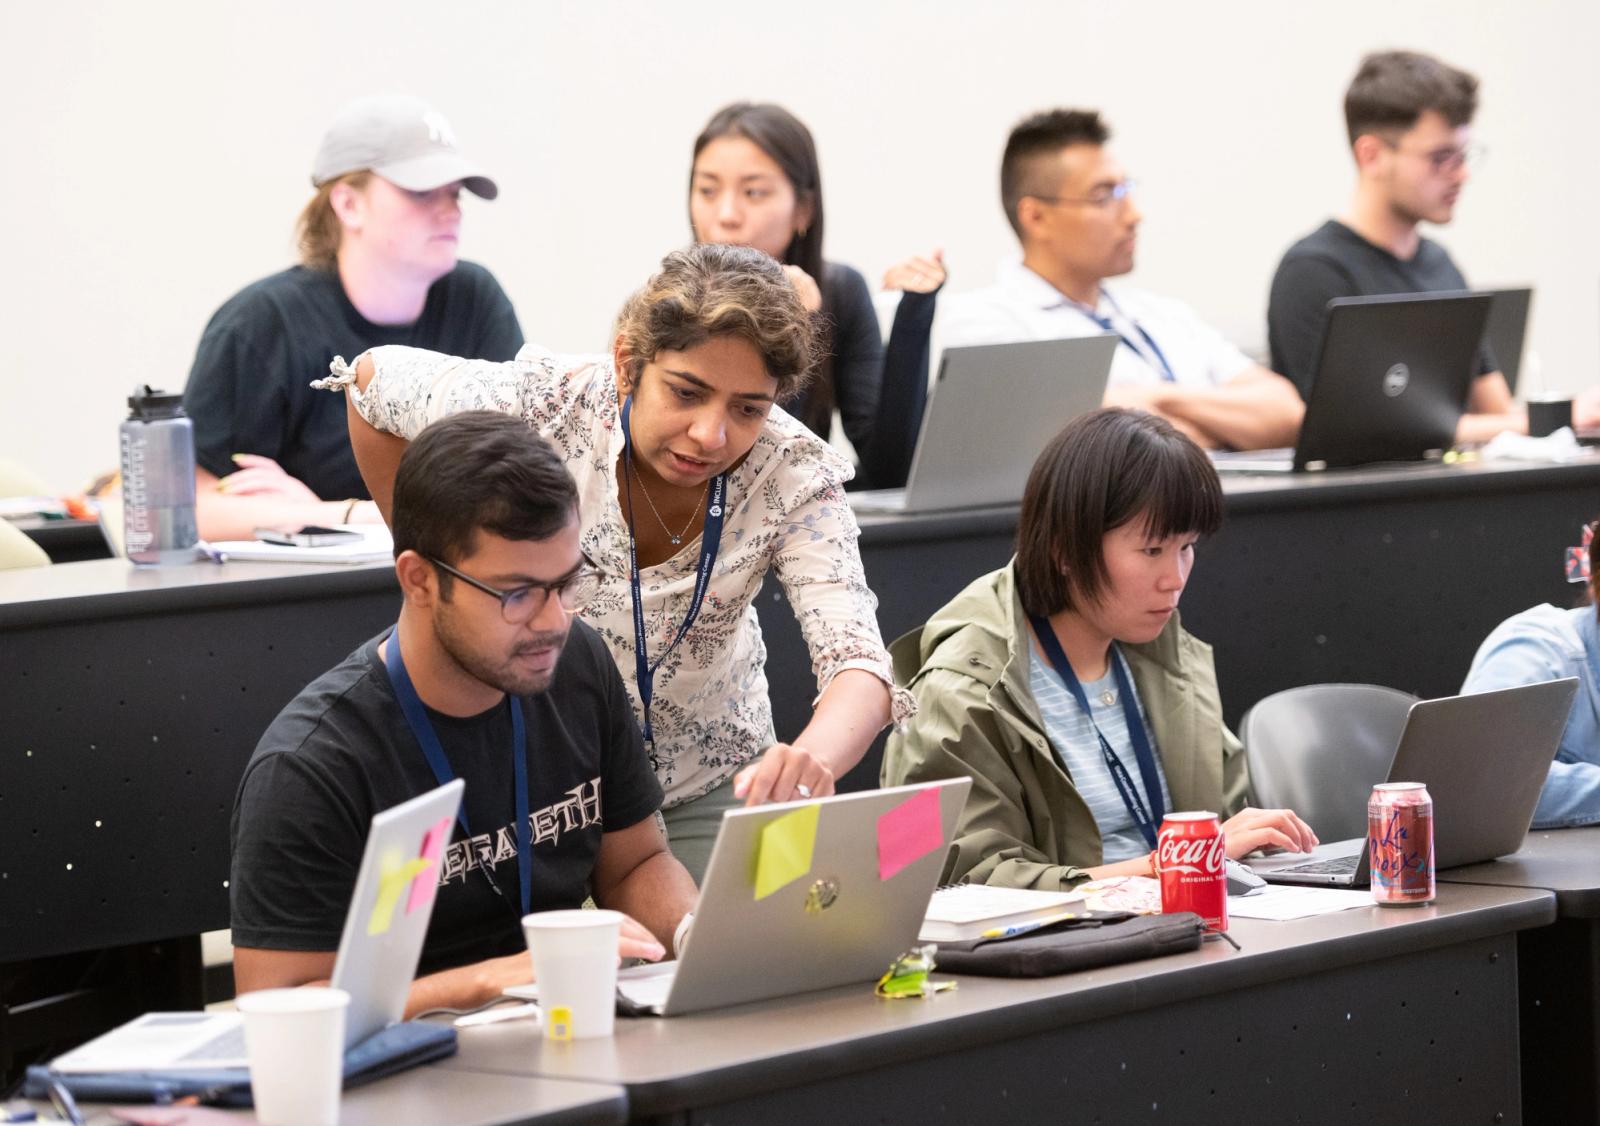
point(341, 752)
point(250, 388)
point(1334, 261)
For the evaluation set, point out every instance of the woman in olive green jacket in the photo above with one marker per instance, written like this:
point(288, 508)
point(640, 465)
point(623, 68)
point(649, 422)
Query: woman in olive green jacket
point(1109, 521)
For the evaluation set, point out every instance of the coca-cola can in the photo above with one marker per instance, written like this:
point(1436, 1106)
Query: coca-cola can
point(1190, 850)
point(1400, 844)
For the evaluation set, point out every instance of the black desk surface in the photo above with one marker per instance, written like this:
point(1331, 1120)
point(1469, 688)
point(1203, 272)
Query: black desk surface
point(668, 1064)
point(95, 588)
point(1564, 861)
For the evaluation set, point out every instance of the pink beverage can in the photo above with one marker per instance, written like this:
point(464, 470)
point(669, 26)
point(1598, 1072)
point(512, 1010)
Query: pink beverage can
point(1190, 850)
point(1400, 844)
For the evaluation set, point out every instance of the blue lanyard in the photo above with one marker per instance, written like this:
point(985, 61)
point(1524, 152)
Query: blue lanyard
point(1109, 325)
point(417, 719)
point(710, 542)
point(1147, 821)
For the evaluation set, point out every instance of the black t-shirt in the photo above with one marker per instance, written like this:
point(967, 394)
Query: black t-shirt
point(249, 390)
point(341, 752)
point(1334, 261)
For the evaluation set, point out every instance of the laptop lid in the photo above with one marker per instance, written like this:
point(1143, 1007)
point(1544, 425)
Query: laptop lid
point(1393, 374)
point(875, 859)
point(991, 410)
point(391, 907)
point(378, 953)
point(1484, 758)
point(1507, 330)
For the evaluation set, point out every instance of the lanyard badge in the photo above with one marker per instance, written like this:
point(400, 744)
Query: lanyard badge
point(1146, 817)
point(428, 739)
point(710, 542)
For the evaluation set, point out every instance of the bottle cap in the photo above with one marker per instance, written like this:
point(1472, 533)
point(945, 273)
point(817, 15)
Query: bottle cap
point(146, 402)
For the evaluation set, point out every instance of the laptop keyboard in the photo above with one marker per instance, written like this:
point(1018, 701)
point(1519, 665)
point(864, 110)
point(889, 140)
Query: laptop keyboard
point(229, 1045)
point(1339, 865)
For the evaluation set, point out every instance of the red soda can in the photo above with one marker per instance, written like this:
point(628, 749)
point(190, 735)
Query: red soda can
point(1190, 850)
point(1400, 844)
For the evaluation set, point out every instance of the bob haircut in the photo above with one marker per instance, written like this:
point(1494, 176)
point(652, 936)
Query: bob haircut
point(1103, 470)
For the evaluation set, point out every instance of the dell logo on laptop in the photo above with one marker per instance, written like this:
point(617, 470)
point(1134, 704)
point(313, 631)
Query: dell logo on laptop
point(1395, 380)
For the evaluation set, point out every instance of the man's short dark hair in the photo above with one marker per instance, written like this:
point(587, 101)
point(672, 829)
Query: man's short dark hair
point(1105, 469)
point(478, 470)
point(1394, 88)
point(1027, 168)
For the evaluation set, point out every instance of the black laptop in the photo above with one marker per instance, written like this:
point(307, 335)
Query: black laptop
point(1393, 375)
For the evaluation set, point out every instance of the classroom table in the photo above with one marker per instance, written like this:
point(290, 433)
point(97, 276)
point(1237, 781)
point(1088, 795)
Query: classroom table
point(461, 1098)
point(1558, 969)
point(1372, 1015)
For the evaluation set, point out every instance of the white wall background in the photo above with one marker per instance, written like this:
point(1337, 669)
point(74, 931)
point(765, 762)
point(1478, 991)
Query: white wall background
point(156, 154)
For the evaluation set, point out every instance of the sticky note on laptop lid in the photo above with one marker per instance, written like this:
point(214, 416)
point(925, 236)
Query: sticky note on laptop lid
point(424, 883)
point(783, 850)
point(908, 832)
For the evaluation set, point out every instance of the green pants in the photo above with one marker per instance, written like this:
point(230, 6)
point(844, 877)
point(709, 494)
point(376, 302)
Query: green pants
point(692, 827)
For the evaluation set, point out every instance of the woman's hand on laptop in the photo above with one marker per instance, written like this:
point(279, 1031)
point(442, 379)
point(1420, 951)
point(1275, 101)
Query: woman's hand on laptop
point(1251, 828)
point(786, 772)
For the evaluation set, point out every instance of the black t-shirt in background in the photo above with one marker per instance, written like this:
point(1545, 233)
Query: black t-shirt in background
point(341, 751)
point(249, 390)
point(1334, 261)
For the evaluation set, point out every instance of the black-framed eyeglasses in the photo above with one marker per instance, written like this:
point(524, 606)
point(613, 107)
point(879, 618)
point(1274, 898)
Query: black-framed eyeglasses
point(1450, 158)
point(521, 604)
point(1106, 196)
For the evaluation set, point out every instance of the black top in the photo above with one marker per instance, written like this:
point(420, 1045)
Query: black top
point(341, 752)
point(249, 390)
point(880, 391)
point(1334, 261)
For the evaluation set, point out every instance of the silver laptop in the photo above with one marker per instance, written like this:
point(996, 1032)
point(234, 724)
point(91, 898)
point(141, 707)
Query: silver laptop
point(1393, 375)
point(990, 411)
point(377, 959)
point(836, 923)
point(1484, 759)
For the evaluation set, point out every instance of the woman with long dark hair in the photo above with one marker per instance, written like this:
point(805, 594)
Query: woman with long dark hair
point(756, 182)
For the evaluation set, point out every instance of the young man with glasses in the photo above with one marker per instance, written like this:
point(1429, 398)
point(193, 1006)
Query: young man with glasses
point(1409, 119)
point(486, 677)
point(1072, 208)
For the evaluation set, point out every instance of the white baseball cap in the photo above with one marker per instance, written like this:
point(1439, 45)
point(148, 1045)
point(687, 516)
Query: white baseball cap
point(402, 139)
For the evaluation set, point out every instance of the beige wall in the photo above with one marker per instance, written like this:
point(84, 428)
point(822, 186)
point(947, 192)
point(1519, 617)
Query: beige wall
point(155, 154)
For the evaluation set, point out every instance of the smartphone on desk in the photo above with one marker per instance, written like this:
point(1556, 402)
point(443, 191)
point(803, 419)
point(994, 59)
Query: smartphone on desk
point(310, 535)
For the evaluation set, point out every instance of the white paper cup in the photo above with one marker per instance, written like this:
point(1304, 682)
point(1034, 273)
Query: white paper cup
point(294, 1039)
point(575, 963)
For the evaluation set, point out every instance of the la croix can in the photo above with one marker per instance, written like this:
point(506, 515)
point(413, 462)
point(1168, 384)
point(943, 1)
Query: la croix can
point(1190, 850)
point(1400, 844)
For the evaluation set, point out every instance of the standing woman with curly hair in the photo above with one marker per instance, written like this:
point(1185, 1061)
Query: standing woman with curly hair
point(756, 181)
point(692, 487)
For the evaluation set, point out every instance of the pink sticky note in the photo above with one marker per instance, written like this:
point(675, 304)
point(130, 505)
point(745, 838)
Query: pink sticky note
point(908, 832)
point(425, 881)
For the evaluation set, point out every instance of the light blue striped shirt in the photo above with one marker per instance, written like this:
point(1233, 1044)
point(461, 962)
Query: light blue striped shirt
point(1073, 739)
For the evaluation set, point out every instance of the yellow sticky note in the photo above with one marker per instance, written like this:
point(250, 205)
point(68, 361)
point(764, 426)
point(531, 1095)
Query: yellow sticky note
point(394, 881)
point(783, 851)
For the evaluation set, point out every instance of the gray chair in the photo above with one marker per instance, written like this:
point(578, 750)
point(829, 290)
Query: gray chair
point(1319, 749)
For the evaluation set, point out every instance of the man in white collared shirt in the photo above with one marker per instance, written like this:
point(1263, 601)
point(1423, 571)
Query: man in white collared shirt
point(1072, 208)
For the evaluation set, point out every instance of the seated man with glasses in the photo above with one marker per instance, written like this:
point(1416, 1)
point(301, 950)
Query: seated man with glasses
point(1072, 208)
point(1409, 119)
point(486, 677)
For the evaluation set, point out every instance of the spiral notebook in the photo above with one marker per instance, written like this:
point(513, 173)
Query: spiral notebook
point(964, 911)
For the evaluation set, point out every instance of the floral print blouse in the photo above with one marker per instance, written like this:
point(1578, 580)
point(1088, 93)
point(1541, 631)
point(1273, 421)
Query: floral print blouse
point(786, 514)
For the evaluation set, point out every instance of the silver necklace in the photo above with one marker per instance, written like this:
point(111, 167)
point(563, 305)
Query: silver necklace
point(676, 539)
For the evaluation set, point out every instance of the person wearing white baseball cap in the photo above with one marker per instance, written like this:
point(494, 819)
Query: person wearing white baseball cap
point(379, 245)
